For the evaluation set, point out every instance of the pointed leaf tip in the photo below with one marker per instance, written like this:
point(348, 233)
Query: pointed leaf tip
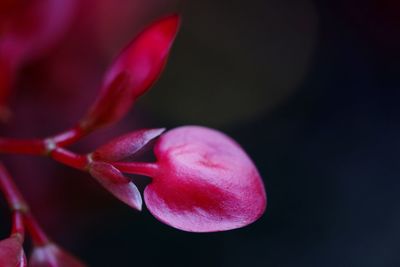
point(126, 145)
point(116, 183)
point(133, 72)
point(169, 26)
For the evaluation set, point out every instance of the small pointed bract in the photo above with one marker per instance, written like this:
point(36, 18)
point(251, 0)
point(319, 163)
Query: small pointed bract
point(133, 72)
point(118, 184)
point(206, 182)
point(51, 255)
point(12, 253)
point(127, 145)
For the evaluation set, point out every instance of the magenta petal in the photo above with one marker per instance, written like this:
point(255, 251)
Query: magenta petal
point(127, 145)
point(207, 182)
point(11, 252)
point(133, 72)
point(118, 184)
point(52, 256)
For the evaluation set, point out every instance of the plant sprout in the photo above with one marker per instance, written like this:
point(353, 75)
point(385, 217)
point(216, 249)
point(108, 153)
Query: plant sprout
point(201, 179)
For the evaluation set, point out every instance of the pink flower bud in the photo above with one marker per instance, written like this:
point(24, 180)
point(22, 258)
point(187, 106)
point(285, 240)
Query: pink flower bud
point(118, 184)
point(11, 252)
point(133, 72)
point(205, 182)
point(51, 255)
point(126, 146)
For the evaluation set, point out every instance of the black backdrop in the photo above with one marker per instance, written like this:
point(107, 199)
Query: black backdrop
point(320, 118)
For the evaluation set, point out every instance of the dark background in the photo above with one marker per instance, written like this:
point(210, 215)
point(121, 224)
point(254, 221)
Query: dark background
point(310, 89)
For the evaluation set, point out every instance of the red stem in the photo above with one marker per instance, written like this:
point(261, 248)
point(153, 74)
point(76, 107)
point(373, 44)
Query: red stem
point(38, 146)
point(48, 146)
point(21, 214)
point(11, 193)
point(69, 158)
point(18, 224)
point(141, 168)
point(15, 202)
point(37, 234)
point(69, 137)
point(23, 146)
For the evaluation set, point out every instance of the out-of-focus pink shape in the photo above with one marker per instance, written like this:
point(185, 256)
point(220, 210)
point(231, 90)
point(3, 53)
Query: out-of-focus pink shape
point(31, 27)
point(116, 183)
point(133, 72)
point(127, 145)
point(205, 182)
point(51, 255)
point(27, 29)
point(6, 78)
point(11, 252)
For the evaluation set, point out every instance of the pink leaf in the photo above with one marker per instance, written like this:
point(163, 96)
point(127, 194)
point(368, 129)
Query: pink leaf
point(133, 72)
point(118, 184)
point(127, 145)
point(51, 255)
point(11, 252)
point(206, 182)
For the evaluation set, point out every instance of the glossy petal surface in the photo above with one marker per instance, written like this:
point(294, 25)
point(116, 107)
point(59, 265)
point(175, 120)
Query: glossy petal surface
point(206, 182)
point(52, 256)
point(12, 253)
point(127, 145)
point(133, 72)
point(118, 184)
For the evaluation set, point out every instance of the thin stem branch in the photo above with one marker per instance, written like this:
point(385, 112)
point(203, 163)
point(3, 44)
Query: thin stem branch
point(23, 146)
point(39, 146)
point(69, 136)
point(37, 234)
point(18, 225)
point(48, 146)
point(21, 213)
point(141, 168)
point(11, 193)
point(69, 158)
